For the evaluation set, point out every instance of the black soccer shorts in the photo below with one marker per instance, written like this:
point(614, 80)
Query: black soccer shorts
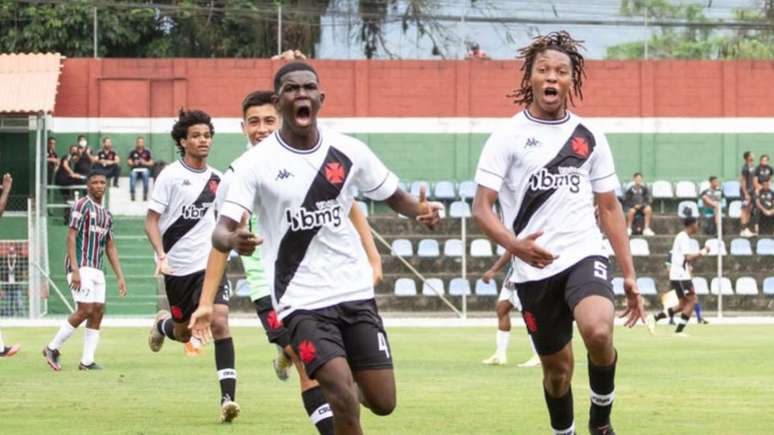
point(183, 294)
point(682, 287)
point(275, 331)
point(352, 330)
point(548, 304)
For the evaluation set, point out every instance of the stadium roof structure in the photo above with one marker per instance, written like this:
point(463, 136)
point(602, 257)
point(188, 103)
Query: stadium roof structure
point(28, 82)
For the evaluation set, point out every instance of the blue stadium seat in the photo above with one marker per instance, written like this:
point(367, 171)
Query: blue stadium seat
point(741, 247)
point(433, 287)
point(405, 287)
point(618, 286)
point(683, 206)
point(444, 190)
point(453, 248)
point(459, 209)
point(402, 247)
point(428, 248)
point(735, 209)
point(486, 289)
point(639, 247)
point(726, 285)
point(647, 285)
point(768, 286)
point(686, 190)
point(467, 189)
point(731, 189)
point(459, 287)
point(480, 248)
point(746, 285)
point(765, 247)
point(701, 286)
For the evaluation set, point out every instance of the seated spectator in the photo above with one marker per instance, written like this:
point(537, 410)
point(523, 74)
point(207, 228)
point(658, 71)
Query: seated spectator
point(765, 208)
point(762, 172)
point(637, 202)
point(86, 157)
point(712, 202)
point(52, 159)
point(141, 163)
point(66, 175)
point(476, 52)
point(108, 161)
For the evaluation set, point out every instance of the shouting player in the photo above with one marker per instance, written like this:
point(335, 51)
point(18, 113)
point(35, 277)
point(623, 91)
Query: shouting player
point(90, 236)
point(179, 224)
point(547, 167)
point(507, 301)
point(298, 183)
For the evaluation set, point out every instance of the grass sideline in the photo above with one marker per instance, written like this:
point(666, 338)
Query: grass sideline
point(715, 382)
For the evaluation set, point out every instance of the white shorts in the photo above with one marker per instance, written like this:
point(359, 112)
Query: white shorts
point(511, 296)
point(92, 289)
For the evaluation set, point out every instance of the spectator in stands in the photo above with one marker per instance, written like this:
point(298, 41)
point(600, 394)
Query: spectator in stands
point(476, 52)
point(141, 163)
point(637, 201)
point(765, 208)
point(86, 158)
point(762, 172)
point(108, 161)
point(712, 202)
point(748, 193)
point(52, 159)
point(66, 175)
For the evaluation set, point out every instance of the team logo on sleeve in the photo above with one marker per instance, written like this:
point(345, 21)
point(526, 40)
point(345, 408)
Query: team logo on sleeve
point(334, 172)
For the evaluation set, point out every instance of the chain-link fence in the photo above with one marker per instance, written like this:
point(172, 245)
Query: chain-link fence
point(14, 278)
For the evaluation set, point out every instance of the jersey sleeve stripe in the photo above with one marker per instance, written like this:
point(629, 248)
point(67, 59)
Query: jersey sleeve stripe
point(247, 209)
point(490, 172)
point(602, 178)
point(386, 176)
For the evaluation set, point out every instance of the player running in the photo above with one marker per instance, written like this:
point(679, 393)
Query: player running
point(6, 351)
point(298, 183)
point(90, 236)
point(547, 167)
point(683, 256)
point(507, 301)
point(179, 224)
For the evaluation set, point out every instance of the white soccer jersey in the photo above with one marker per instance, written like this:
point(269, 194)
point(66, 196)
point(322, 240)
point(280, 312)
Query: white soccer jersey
point(311, 251)
point(545, 173)
point(184, 197)
point(680, 270)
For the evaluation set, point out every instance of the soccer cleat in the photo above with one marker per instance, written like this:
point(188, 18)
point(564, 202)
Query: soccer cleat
point(229, 410)
point(702, 321)
point(650, 322)
point(193, 347)
point(532, 362)
point(605, 430)
point(52, 358)
point(281, 364)
point(496, 360)
point(681, 335)
point(747, 233)
point(10, 351)
point(648, 232)
point(155, 338)
point(92, 366)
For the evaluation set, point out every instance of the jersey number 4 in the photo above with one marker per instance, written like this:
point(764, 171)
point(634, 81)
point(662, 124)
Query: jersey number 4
point(382, 343)
point(600, 270)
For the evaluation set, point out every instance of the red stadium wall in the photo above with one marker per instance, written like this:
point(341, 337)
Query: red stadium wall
point(157, 87)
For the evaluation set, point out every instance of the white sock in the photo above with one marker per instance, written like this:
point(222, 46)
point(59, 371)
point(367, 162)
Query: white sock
point(502, 341)
point(64, 333)
point(532, 345)
point(90, 342)
point(2, 345)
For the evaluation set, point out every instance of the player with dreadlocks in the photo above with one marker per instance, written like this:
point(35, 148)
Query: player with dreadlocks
point(547, 167)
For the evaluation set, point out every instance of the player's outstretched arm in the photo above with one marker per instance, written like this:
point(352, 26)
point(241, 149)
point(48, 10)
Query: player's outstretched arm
point(75, 278)
point(112, 254)
point(526, 249)
point(425, 212)
point(613, 224)
point(499, 264)
point(154, 237)
point(367, 239)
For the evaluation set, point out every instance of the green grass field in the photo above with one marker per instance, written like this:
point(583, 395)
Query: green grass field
point(719, 381)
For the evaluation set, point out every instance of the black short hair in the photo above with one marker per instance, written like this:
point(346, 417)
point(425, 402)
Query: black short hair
point(292, 67)
point(94, 173)
point(257, 98)
point(187, 118)
point(712, 178)
point(688, 221)
point(81, 136)
point(105, 139)
point(746, 154)
point(50, 138)
point(636, 174)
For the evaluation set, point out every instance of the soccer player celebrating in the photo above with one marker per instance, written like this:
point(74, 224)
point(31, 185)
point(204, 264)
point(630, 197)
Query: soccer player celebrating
point(90, 236)
point(682, 257)
point(298, 183)
point(507, 301)
point(547, 166)
point(179, 224)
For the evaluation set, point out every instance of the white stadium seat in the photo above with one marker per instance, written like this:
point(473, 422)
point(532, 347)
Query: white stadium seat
point(402, 247)
point(716, 246)
point(444, 190)
point(467, 189)
point(726, 286)
point(432, 287)
point(765, 247)
point(428, 248)
point(405, 287)
point(486, 289)
point(415, 186)
point(684, 206)
point(459, 209)
point(459, 287)
point(746, 285)
point(768, 286)
point(618, 286)
point(685, 190)
point(704, 185)
point(480, 248)
point(700, 286)
point(731, 189)
point(647, 285)
point(662, 189)
point(741, 247)
point(735, 209)
point(453, 248)
point(639, 247)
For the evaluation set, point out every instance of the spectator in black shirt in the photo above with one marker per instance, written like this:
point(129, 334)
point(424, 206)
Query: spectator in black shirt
point(85, 157)
point(748, 193)
point(637, 202)
point(66, 175)
point(762, 172)
point(141, 162)
point(108, 161)
point(765, 205)
point(52, 159)
point(712, 203)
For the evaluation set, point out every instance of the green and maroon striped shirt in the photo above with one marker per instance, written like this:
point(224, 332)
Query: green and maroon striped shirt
point(94, 225)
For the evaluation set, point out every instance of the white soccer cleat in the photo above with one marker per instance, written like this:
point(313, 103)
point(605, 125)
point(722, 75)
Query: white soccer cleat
point(747, 233)
point(496, 360)
point(532, 362)
point(648, 232)
point(229, 410)
point(155, 338)
point(650, 322)
point(281, 364)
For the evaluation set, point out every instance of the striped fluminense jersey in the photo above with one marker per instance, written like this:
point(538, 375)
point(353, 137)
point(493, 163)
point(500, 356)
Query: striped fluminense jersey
point(94, 225)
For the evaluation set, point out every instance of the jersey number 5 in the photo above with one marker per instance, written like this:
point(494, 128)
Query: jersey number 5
point(383, 344)
point(600, 270)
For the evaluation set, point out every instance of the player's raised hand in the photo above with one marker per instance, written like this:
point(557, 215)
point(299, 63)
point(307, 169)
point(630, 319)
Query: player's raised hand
point(122, 287)
point(429, 211)
point(244, 242)
point(635, 308)
point(7, 181)
point(162, 267)
point(531, 253)
point(200, 323)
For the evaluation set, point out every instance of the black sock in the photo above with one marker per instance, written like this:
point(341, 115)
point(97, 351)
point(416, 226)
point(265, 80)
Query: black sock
point(560, 410)
point(166, 327)
point(602, 383)
point(319, 410)
point(682, 322)
point(224, 362)
point(671, 313)
point(660, 316)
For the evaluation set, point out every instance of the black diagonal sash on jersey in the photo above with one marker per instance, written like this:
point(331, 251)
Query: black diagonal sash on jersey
point(182, 226)
point(294, 244)
point(568, 156)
